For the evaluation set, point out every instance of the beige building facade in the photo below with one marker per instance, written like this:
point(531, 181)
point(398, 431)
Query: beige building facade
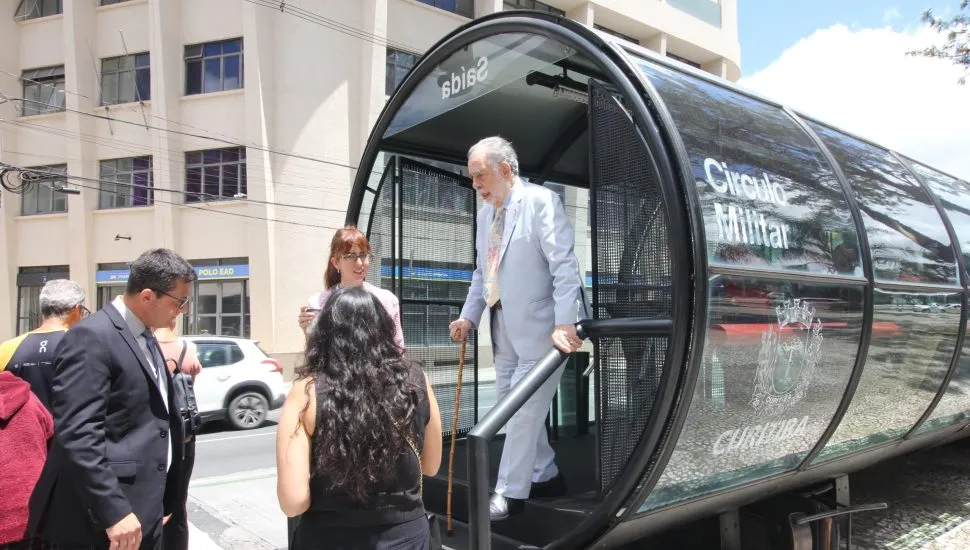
point(229, 131)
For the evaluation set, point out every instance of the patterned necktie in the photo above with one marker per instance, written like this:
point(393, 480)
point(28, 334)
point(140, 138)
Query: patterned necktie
point(491, 291)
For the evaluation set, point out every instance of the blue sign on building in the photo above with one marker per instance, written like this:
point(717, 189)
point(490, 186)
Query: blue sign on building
point(205, 273)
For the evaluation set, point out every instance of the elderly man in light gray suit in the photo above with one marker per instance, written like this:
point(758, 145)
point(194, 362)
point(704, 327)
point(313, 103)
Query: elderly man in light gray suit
point(527, 277)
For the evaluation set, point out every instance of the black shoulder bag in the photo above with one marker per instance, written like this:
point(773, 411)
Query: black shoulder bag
point(185, 398)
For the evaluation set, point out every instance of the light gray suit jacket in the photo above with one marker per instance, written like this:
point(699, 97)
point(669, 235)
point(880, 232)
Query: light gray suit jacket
point(538, 274)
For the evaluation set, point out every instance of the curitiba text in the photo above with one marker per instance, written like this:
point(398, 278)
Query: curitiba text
point(737, 224)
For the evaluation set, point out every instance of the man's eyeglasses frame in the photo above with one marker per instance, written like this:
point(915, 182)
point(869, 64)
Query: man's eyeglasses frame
point(182, 302)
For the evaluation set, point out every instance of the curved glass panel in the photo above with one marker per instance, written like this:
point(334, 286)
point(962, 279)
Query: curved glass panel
point(954, 406)
point(954, 196)
point(777, 360)
point(906, 235)
point(909, 354)
point(768, 195)
point(475, 70)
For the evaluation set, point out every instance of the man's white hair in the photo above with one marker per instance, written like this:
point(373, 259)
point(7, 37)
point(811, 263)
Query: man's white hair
point(497, 150)
point(59, 297)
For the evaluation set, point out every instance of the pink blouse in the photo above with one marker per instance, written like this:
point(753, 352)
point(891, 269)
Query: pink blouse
point(386, 297)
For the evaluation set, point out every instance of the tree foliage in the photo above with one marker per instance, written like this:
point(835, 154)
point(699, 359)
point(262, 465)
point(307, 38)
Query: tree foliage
point(956, 48)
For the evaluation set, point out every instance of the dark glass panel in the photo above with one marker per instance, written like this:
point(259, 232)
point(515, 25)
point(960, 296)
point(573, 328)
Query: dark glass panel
point(210, 183)
point(777, 359)
point(232, 46)
point(768, 194)
point(212, 49)
point(193, 77)
point(232, 67)
point(913, 340)
point(954, 197)
point(207, 299)
point(213, 75)
point(906, 235)
point(193, 184)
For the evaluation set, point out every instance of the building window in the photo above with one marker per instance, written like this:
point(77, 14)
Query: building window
point(461, 7)
point(684, 60)
point(43, 90)
point(126, 182)
point(616, 34)
point(216, 174)
point(708, 11)
point(398, 65)
point(219, 308)
point(110, 2)
point(125, 79)
point(33, 9)
point(531, 5)
point(30, 281)
point(214, 67)
point(111, 279)
point(40, 197)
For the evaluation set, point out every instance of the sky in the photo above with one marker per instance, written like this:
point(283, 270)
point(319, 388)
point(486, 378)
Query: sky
point(843, 62)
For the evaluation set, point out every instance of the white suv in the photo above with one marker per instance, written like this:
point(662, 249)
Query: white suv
point(238, 383)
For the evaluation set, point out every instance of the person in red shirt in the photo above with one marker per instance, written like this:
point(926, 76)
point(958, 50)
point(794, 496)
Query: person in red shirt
point(26, 428)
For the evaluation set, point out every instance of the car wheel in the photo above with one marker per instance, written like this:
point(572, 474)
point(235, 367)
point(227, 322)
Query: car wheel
point(248, 410)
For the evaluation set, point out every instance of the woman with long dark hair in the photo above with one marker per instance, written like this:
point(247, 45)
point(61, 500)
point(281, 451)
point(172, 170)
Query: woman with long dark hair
point(351, 445)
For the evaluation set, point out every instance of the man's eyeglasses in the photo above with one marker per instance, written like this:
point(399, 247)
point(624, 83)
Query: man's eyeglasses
point(363, 256)
point(84, 311)
point(183, 301)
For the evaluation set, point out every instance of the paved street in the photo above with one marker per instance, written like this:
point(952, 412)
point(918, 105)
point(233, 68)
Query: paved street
point(233, 505)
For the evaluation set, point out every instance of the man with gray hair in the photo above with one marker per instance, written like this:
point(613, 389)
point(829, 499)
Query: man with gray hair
point(527, 277)
point(30, 356)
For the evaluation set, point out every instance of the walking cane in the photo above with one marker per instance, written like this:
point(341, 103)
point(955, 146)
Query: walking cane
point(454, 428)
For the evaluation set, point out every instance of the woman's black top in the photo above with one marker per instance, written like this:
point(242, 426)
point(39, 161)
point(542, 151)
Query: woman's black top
point(398, 502)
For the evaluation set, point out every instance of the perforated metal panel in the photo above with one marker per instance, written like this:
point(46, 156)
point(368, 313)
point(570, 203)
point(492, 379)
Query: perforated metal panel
point(633, 277)
point(436, 251)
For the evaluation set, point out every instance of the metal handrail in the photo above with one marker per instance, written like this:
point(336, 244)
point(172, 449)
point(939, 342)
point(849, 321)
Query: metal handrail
point(480, 531)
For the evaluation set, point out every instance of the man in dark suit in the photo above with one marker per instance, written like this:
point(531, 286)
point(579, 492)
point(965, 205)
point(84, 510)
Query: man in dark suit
point(117, 429)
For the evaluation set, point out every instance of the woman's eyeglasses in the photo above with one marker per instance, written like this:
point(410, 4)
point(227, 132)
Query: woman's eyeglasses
point(363, 256)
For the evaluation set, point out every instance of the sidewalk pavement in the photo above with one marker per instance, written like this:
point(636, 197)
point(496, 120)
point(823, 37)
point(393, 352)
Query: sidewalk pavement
point(199, 540)
point(237, 511)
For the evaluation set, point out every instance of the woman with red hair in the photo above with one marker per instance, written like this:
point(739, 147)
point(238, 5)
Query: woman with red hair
point(350, 256)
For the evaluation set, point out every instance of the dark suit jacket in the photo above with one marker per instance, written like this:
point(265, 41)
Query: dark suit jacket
point(111, 439)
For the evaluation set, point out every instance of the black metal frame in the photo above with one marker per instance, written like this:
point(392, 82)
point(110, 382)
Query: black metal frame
point(862, 353)
point(665, 135)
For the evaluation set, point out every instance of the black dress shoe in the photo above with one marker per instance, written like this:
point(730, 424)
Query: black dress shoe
point(555, 487)
point(500, 507)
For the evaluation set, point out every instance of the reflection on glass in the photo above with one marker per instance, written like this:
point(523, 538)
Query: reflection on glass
point(473, 71)
point(954, 196)
point(776, 363)
point(768, 194)
point(913, 339)
point(906, 235)
point(232, 297)
point(207, 299)
point(954, 406)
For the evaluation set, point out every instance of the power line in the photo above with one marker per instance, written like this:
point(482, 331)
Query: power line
point(236, 214)
point(34, 173)
point(134, 150)
point(332, 24)
point(188, 134)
